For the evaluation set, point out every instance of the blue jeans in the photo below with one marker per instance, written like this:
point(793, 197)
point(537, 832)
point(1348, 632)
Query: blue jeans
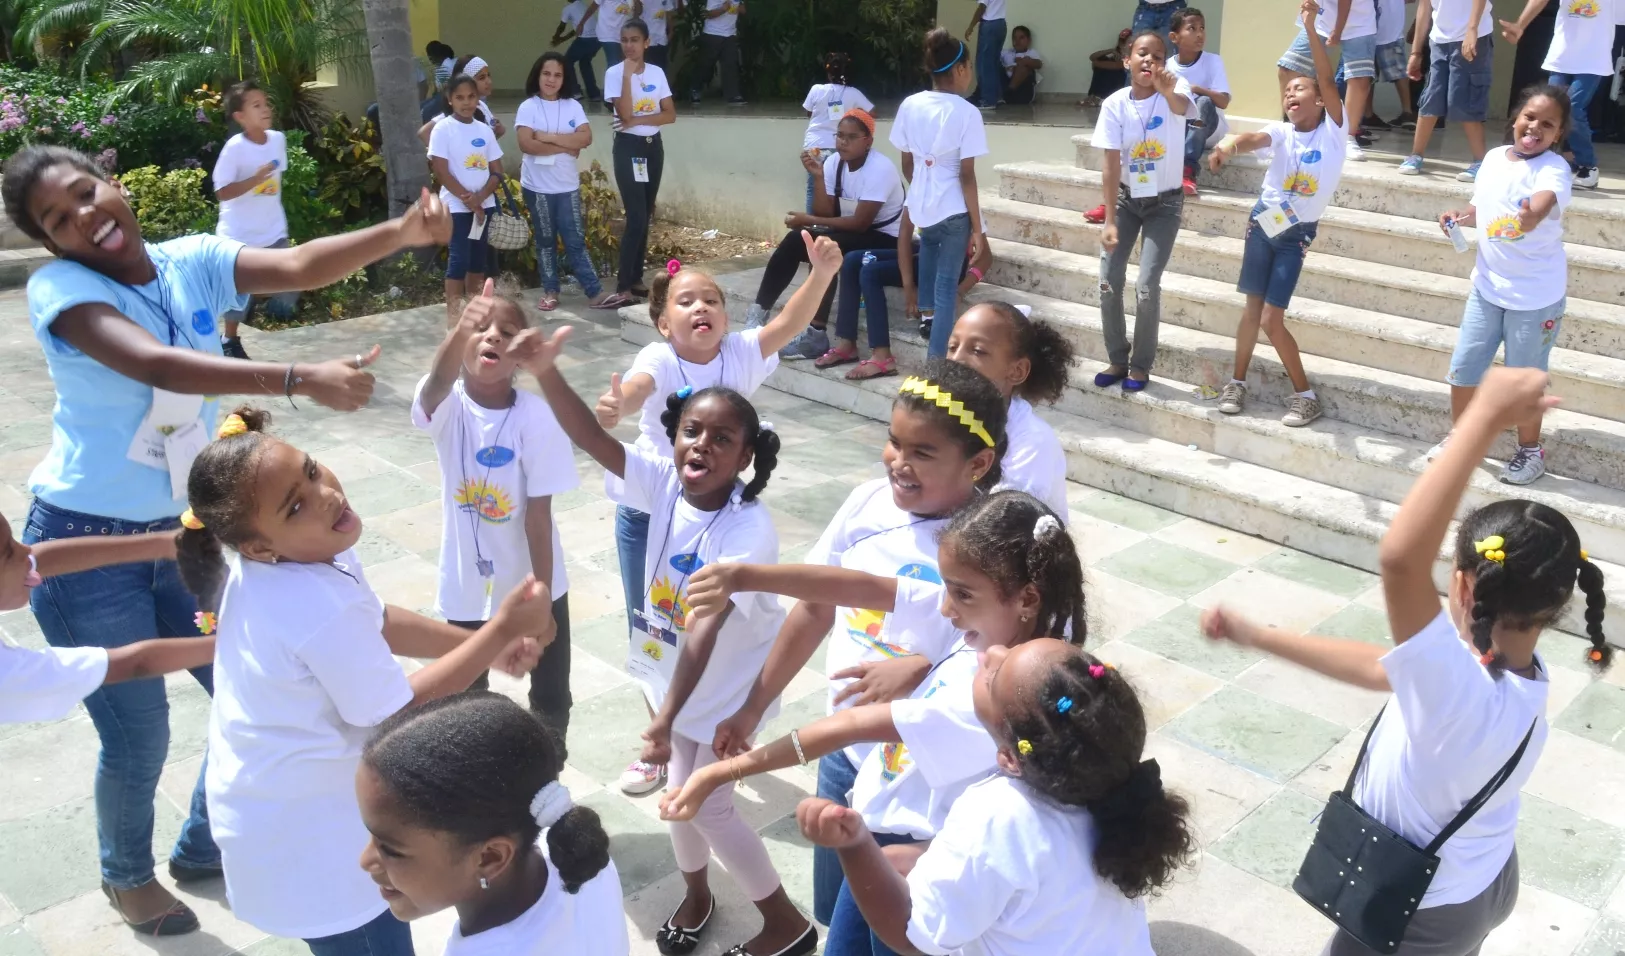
point(111, 607)
point(555, 216)
point(612, 54)
point(849, 932)
point(942, 249)
point(632, 546)
point(835, 778)
point(1156, 16)
point(823, 154)
point(1581, 88)
point(989, 70)
point(384, 936)
point(1270, 266)
point(1527, 334)
point(465, 256)
point(580, 53)
point(865, 274)
point(1196, 136)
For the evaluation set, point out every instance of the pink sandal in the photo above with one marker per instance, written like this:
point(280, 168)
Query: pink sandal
point(615, 300)
point(834, 358)
point(862, 371)
point(548, 303)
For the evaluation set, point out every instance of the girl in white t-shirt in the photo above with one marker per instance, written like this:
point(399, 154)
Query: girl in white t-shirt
point(1306, 163)
point(825, 104)
point(463, 801)
point(1053, 854)
point(1579, 60)
point(1029, 361)
point(940, 134)
point(1010, 573)
point(303, 667)
point(1468, 686)
point(467, 163)
point(946, 439)
point(695, 673)
point(1517, 296)
point(640, 102)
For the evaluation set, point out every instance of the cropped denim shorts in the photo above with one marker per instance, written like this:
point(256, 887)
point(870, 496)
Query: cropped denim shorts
point(1528, 335)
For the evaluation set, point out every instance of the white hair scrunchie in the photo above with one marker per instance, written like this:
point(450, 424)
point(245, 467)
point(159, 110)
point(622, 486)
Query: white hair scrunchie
point(765, 426)
point(1045, 526)
point(474, 66)
point(1025, 310)
point(550, 805)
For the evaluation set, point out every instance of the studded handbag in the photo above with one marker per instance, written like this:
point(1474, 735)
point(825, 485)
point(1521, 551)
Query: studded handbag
point(1365, 877)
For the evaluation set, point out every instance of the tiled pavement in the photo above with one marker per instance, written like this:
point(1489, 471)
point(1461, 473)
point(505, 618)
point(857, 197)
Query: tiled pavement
point(1255, 744)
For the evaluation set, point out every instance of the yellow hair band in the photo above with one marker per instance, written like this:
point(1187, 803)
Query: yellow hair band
point(1491, 548)
point(1584, 556)
point(1024, 747)
point(945, 400)
point(191, 521)
point(232, 426)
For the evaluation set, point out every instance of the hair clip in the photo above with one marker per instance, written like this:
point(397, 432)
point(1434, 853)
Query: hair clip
point(944, 399)
point(1045, 526)
point(673, 267)
point(736, 500)
point(684, 392)
point(1584, 556)
point(1097, 671)
point(1491, 548)
point(1063, 705)
point(205, 621)
point(1024, 747)
point(1487, 658)
point(190, 520)
point(232, 426)
point(1595, 656)
point(765, 427)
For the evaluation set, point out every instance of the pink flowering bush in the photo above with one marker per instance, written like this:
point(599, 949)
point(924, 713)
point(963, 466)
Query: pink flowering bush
point(42, 107)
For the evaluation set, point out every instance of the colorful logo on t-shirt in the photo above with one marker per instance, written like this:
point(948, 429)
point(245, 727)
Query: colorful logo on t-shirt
point(919, 572)
point(1504, 229)
point(484, 498)
point(572, 124)
point(1302, 184)
point(687, 563)
point(476, 142)
point(1584, 8)
point(1148, 151)
point(864, 627)
point(494, 456)
point(893, 761)
point(203, 322)
point(1156, 122)
point(474, 161)
point(268, 188)
point(644, 107)
point(622, 9)
point(670, 610)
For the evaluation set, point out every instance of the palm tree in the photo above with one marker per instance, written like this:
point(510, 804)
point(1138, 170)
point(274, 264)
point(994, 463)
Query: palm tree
point(389, 33)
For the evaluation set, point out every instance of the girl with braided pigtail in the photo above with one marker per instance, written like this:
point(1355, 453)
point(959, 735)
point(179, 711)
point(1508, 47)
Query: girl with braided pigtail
point(1469, 689)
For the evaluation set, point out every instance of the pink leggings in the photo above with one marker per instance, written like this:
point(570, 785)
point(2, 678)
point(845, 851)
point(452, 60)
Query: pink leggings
point(718, 826)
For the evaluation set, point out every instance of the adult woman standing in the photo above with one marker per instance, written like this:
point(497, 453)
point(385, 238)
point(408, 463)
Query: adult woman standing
point(553, 131)
point(128, 331)
point(640, 97)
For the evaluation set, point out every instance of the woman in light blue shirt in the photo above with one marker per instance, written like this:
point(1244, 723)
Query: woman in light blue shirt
point(130, 336)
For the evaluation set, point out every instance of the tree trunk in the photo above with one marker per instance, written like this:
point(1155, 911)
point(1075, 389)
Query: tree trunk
point(389, 35)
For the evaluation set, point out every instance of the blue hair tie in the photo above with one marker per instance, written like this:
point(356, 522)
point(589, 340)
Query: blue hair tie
point(684, 392)
point(1063, 705)
point(957, 56)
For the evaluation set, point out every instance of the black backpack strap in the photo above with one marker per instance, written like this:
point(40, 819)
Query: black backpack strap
point(1483, 796)
point(840, 167)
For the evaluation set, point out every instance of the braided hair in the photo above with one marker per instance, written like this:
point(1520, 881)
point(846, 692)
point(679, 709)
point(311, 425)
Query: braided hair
point(1526, 579)
point(1015, 547)
point(220, 491)
point(763, 442)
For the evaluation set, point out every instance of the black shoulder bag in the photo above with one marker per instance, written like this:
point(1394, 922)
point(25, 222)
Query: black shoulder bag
point(1365, 877)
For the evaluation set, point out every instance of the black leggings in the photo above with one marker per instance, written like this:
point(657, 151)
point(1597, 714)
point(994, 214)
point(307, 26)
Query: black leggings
point(639, 200)
point(792, 252)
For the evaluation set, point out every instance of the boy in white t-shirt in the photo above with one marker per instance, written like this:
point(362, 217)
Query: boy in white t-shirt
point(1458, 80)
point(720, 42)
point(1579, 59)
point(1021, 65)
point(1351, 26)
point(1210, 89)
point(502, 459)
point(573, 22)
point(659, 14)
point(248, 184)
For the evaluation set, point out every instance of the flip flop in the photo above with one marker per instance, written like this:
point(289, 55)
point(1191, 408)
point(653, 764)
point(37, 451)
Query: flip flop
point(861, 371)
point(548, 302)
point(834, 358)
point(615, 301)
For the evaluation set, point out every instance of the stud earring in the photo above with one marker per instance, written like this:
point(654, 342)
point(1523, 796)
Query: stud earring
point(484, 885)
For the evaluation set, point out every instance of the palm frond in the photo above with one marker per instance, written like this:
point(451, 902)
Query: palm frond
point(174, 76)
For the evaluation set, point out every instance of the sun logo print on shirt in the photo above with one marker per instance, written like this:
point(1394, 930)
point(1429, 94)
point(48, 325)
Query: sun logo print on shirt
point(1504, 229)
point(268, 188)
point(474, 161)
point(670, 610)
point(864, 626)
point(644, 107)
point(893, 761)
point(484, 498)
point(1301, 184)
point(1584, 8)
point(1148, 150)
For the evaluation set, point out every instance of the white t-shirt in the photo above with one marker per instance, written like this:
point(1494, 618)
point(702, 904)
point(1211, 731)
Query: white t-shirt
point(469, 149)
point(994, 11)
point(683, 539)
point(878, 181)
point(492, 461)
point(556, 173)
point(1012, 874)
point(612, 15)
point(301, 676)
point(657, 14)
point(648, 89)
point(1449, 728)
point(1145, 131)
point(570, 16)
point(726, 25)
point(47, 684)
point(1034, 462)
point(1583, 39)
point(1450, 21)
point(941, 130)
point(1362, 21)
point(828, 102)
point(1208, 73)
point(1517, 271)
point(1304, 168)
point(589, 922)
point(255, 218)
point(740, 366)
point(1008, 60)
point(1390, 21)
point(870, 533)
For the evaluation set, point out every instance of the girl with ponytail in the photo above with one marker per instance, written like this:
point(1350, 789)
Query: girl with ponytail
point(1468, 686)
point(463, 801)
point(303, 666)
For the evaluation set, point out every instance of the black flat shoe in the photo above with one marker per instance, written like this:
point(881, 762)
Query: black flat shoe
point(805, 945)
point(178, 920)
point(187, 875)
point(674, 940)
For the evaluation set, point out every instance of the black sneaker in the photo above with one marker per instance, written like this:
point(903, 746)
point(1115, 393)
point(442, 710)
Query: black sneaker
point(925, 329)
point(737, 101)
point(187, 875)
point(233, 348)
point(1365, 140)
point(1406, 121)
point(1376, 122)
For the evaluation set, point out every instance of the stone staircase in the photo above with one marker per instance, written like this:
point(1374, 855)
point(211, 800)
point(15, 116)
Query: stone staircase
point(1374, 316)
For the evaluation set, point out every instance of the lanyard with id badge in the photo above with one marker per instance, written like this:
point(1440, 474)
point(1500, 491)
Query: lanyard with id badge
point(552, 159)
point(1142, 170)
point(836, 107)
point(1277, 217)
point(491, 456)
point(171, 435)
point(652, 658)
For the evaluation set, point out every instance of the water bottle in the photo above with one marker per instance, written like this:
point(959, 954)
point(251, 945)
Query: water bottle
point(1457, 238)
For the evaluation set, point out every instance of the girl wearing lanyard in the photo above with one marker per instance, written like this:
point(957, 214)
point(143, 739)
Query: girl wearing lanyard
point(1305, 164)
point(130, 336)
point(825, 104)
point(640, 98)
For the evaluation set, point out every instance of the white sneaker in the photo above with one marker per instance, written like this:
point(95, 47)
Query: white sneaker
point(640, 778)
point(1354, 152)
point(1438, 449)
point(1527, 464)
point(1587, 177)
point(1232, 397)
point(1301, 412)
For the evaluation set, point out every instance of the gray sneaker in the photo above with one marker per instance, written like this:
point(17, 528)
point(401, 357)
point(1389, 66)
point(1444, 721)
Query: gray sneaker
point(1527, 464)
point(755, 316)
point(1438, 449)
point(811, 343)
point(1301, 412)
point(1232, 397)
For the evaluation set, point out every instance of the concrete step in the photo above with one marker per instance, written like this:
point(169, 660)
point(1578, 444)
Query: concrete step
point(17, 264)
point(1331, 522)
point(1593, 384)
point(1592, 220)
point(1594, 272)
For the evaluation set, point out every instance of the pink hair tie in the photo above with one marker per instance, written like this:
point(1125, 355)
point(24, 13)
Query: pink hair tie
point(672, 267)
point(1097, 671)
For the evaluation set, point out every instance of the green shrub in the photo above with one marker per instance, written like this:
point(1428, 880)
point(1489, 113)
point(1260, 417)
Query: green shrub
point(169, 204)
point(310, 215)
point(42, 107)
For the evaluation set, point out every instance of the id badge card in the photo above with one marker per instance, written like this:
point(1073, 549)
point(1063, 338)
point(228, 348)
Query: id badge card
point(181, 448)
point(837, 109)
point(640, 170)
point(1142, 179)
point(169, 412)
point(1276, 218)
point(652, 658)
point(551, 159)
point(477, 228)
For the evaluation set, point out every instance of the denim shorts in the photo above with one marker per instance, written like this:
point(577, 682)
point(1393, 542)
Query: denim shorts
point(1359, 56)
point(1270, 267)
point(1392, 59)
point(465, 255)
point(1529, 337)
point(1456, 89)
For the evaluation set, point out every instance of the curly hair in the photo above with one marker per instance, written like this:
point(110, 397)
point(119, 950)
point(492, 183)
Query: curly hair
point(1541, 564)
point(1049, 352)
point(23, 172)
point(977, 395)
point(763, 442)
point(220, 491)
point(998, 533)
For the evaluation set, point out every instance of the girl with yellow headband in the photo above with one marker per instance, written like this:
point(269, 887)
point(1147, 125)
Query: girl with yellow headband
point(1469, 690)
